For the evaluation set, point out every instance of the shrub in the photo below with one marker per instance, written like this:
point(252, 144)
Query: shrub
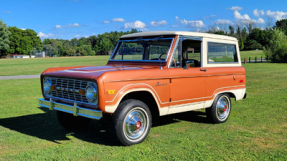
point(277, 47)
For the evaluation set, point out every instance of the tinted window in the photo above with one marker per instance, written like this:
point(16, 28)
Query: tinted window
point(221, 53)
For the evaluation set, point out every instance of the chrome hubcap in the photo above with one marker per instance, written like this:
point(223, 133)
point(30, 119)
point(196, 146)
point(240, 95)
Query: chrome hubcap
point(135, 123)
point(223, 108)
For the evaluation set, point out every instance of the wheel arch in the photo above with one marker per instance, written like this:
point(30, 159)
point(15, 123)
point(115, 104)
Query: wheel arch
point(143, 94)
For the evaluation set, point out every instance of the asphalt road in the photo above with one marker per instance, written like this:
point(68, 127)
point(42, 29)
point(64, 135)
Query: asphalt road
point(20, 77)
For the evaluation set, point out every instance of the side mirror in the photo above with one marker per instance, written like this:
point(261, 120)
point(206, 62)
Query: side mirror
point(189, 63)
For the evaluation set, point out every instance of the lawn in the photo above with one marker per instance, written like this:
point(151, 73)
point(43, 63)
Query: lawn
point(252, 54)
point(256, 129)
point(38, 65)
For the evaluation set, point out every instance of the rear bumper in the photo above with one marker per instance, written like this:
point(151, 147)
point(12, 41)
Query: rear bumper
point(75, 110)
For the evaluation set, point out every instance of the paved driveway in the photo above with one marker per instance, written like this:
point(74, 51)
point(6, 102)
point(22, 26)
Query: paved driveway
point(20, 77)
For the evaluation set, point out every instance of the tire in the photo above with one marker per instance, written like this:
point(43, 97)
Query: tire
point(71, 122)
point(220, 109)
point(131, 122)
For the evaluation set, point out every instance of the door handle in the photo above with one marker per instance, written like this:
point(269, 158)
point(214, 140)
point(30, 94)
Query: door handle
point(203, 70)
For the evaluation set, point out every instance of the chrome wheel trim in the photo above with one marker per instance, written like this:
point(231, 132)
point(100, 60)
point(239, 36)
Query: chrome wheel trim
point(135, 124)
point(223, 108)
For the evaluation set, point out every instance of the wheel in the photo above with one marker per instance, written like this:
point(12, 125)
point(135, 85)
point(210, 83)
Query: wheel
point(71, 122)
point(220, 109)
point(131, 122)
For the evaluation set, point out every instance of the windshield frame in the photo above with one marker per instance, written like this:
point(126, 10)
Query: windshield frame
point(135, 39)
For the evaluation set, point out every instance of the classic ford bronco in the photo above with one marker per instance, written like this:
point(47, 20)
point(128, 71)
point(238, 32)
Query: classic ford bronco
point(149, 74)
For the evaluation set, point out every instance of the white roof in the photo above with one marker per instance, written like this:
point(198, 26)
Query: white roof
point(183, 33)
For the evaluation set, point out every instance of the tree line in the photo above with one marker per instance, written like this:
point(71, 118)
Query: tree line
point(273, 40)
point(18, 41)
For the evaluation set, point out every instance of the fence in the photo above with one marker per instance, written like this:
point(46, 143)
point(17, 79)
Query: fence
point(256, 60)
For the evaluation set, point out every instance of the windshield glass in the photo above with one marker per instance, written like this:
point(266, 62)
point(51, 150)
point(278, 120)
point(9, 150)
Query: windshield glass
point(142, 50)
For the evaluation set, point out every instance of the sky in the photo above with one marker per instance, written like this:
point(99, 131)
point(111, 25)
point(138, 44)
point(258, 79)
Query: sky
point(67, 19)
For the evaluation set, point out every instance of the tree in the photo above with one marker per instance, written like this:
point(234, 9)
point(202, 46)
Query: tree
point(23, 41)
point(282, 25)
point(277, 48)
point(4, 39)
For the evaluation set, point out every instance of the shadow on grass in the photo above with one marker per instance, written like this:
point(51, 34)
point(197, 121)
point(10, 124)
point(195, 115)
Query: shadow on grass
point(191, 116)
point(46, 126)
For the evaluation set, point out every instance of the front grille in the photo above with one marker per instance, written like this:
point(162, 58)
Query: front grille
point(69, 84)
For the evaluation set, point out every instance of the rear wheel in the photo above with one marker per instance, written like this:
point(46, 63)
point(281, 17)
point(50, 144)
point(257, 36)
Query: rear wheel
point(71, 122)
point(131, 122)
point(220, 109)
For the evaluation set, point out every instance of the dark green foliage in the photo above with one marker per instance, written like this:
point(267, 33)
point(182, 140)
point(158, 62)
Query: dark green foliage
point(101, 44)
point(4, 39)
point(23, 41)
point(282, 25)
point(276, 50)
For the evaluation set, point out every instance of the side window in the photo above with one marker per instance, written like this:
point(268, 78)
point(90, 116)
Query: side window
point(191, 52)
point(221, 53)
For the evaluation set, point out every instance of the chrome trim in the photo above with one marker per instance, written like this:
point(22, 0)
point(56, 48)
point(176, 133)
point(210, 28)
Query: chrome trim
point(223, 108)
point(135, 124)
point(68, 89)
point(75, 110)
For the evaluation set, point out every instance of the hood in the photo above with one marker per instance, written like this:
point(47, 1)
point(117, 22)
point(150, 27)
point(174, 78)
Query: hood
point(89, 72)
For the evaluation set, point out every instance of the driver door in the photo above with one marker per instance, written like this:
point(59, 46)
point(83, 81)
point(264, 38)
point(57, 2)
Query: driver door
point(187, 85)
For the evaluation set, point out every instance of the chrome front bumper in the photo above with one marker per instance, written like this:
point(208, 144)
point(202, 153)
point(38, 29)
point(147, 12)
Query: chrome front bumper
point(75, 110)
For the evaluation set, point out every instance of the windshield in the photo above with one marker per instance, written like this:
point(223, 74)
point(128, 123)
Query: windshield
point(142, 50)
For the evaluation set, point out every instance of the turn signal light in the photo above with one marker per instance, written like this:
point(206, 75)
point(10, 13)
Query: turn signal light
point(82, 92)
point(241, 81)
point(111, 92)
point(53, 87)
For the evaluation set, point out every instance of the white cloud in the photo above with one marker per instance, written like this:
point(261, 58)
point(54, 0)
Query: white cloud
point(235, 8)
point(77, 35)
point(260, 20)
point(221, 21)
point(74, 25)
point(278, 15)
point(245, 18)
point(197, 23)
point(6, 12)
point(58, 26)
point(107, 21)
point(22, 28)
point(158, 23)
point(209, 17)
point(174, 26)
point(258, 13)
point(176, 17)
point(119, 20)
point(136, 25)
point(42, 35)
point(69, 26)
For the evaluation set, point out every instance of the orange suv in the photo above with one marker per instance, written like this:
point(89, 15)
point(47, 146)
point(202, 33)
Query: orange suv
point(149, 74)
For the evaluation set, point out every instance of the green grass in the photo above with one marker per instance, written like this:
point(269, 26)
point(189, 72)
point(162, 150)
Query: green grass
point(256, 129)
point(38, 65)
point(252, 54)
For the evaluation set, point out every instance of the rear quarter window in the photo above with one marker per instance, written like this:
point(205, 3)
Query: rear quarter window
point(221, 53)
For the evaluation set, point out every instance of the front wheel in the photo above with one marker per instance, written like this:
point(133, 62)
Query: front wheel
point(131, 122)
point(220, 109)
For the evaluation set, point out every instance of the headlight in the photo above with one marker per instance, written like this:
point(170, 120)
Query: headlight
point(47, 85)
point(91, 93)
